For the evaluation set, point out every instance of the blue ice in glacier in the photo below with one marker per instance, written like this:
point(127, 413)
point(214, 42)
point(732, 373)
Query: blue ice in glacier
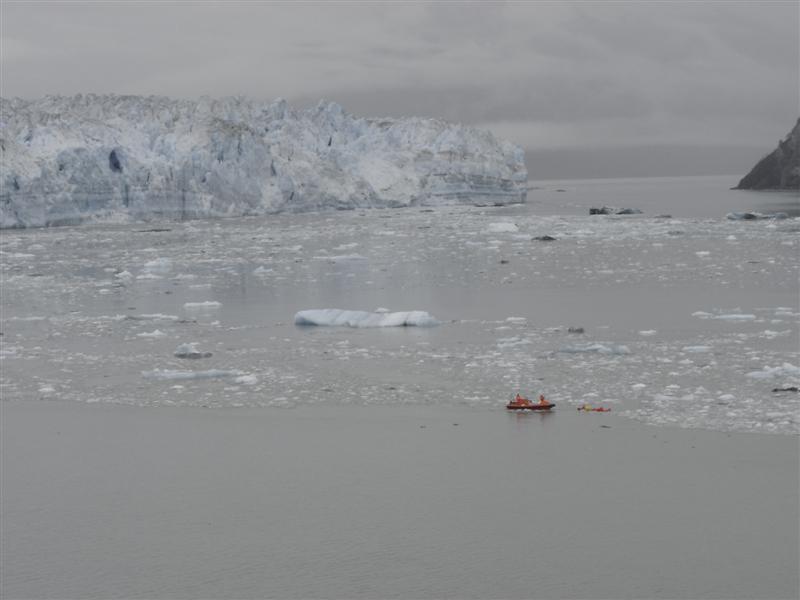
point(69, 160)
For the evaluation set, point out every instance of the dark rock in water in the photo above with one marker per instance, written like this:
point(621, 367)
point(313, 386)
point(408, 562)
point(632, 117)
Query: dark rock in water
point(786, 389)
point(610, 210)
point(779, 170)
point(575, 330)
point(193, 355)
point(545, 238)
point(605, 210)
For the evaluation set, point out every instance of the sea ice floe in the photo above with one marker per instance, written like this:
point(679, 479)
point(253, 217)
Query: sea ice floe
point(158, 266)
point(784, 370)
point(152, 317)
point(502, 227)
point(735, 317)
point(512, 342)
point(124, 277)
point(598, 348)
point(360, 318)
point(700, 314)
point(202, 306)
point(696, 349)
point(172, 374)
point(190, 350)
point(152, 334)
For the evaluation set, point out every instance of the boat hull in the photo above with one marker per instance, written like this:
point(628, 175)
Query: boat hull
point(530, 407)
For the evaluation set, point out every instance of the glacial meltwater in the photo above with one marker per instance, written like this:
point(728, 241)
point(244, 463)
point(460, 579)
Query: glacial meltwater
point(170, 431)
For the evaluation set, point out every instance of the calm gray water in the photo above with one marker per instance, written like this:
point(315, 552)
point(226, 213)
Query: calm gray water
point(326, 462)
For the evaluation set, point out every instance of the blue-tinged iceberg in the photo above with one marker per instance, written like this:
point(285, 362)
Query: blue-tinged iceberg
point(334, 317)
point(68, 160)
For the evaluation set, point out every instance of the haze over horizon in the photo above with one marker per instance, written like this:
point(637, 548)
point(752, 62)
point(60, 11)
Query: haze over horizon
point(589, 90)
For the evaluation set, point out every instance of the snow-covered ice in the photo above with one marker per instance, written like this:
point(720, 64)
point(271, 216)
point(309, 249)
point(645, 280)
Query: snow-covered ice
point(69, 160)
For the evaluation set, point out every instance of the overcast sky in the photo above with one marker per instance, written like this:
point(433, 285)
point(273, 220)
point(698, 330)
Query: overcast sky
point(701, 86)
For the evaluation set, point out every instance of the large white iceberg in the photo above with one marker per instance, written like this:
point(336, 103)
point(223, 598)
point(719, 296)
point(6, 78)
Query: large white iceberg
point(361, 318)
point(68, 160)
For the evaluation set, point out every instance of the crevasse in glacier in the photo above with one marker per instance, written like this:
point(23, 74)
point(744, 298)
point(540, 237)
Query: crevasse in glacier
point(68, 160)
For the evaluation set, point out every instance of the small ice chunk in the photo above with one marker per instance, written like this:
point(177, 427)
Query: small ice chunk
point(785, 370)
point(172, 374)
point(598, 348)
point(360, 318)
point(735, 317)
point(124, 277)
point(157, 333)
point(648, 332)
point(190, 350)
point(696, 349)
point(202, 306)
point(158, 266)
point(502, 227)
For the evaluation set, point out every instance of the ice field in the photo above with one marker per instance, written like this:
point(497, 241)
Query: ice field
point(689, 320)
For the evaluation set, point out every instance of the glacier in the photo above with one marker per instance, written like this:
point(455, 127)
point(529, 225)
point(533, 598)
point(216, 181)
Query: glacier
point(110, 158)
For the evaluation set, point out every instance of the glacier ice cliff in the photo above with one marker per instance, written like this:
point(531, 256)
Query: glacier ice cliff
point(69, 160)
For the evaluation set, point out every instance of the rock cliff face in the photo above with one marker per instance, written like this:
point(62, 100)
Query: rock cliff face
point(68, 160)
point(779, 170)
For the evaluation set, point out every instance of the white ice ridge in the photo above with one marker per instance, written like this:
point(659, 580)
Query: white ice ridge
point(67, 160)
point(361, 318)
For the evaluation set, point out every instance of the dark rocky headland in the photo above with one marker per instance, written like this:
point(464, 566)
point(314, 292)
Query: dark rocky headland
point(779, 170)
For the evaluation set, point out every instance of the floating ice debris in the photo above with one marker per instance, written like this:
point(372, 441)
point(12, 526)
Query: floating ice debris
point(342, 258)
point(159, 266)
point(171, 374)
point(152, 334)
point(152, 317)
point(202, 306)
point(755, 216)
point(724, 317)
point(360, 318)
point(696, 349)
point(246, 379)
point(502, 227)
point(735, 317)
point(512, 342)
point(124, 277)
point(599, 348)
point(785, 370)
point(648, 332)
point(189, 350)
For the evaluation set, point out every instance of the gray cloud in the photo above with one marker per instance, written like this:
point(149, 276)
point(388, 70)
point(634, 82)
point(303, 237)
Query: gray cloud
point(578, 74)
